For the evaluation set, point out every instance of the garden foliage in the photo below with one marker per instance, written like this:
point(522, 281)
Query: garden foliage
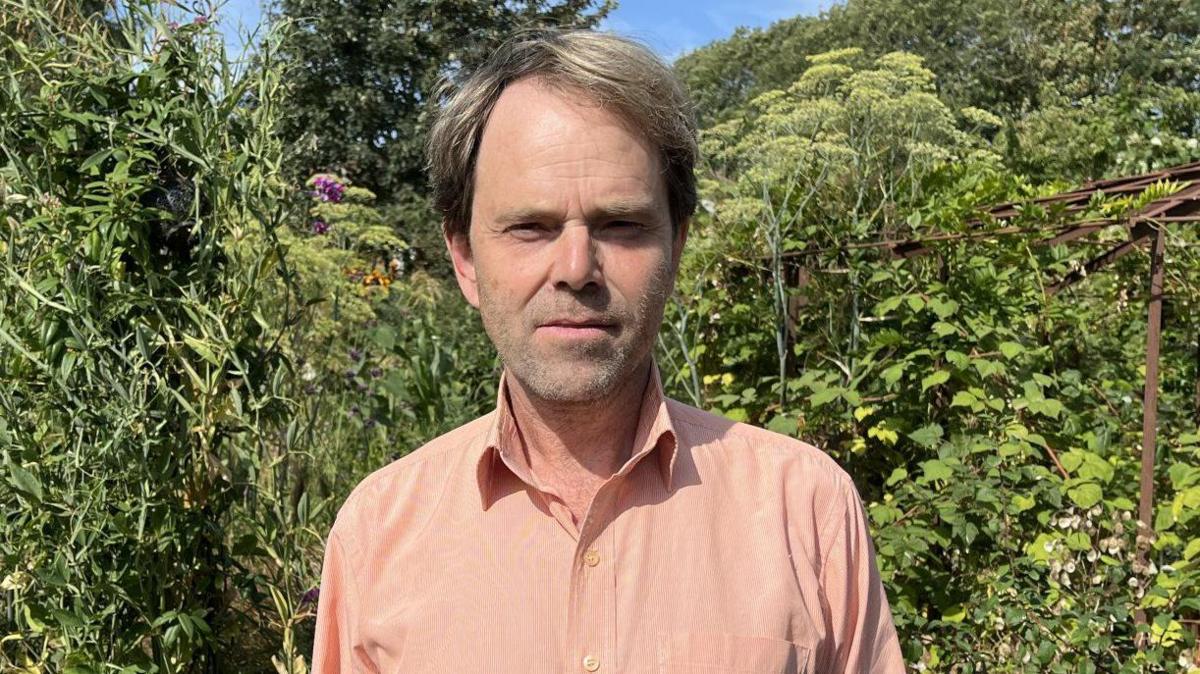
point(141, 374)
point(993, 431)
point(207, 338)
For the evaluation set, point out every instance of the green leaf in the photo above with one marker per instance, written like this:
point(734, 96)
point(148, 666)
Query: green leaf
point(1078, 541)
point(954, 614)
point(964, 399)
point(1192, 549)
point(943, 308)
point(935, 379)
point(1011, 349)
point(824, 395)
point(927, 436)
point(67, 619)
point(1020, 503)
point(94, 160)
point(783, 424)
point(737, 414)
point(942, 328)
point(892, 374)
point(24, 481)
point(935, 469)
point(203, 349)
point(1086, 495)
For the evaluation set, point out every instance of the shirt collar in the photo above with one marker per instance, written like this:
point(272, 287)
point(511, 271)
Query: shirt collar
point(501, 442)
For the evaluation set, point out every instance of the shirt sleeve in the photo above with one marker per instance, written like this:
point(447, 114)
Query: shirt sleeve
point(335, 647)
point(858, 620)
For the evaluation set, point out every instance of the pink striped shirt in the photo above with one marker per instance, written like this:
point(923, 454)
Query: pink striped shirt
point(717, 547)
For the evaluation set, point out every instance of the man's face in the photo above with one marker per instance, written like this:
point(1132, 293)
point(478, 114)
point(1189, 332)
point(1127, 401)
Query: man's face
point(571, 255)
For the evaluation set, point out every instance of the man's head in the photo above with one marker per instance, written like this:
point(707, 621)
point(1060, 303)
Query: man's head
point(563, 170)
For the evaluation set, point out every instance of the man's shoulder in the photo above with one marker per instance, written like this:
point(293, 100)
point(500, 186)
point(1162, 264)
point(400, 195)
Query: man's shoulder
point(422, 472)
point(738, 441)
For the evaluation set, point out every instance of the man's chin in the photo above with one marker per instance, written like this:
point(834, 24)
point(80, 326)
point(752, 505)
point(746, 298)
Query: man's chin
point(571, 380)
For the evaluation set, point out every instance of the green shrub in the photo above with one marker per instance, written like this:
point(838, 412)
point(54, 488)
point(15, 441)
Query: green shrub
point(141, 377)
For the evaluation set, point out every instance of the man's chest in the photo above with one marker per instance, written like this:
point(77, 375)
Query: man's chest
point(639, 588)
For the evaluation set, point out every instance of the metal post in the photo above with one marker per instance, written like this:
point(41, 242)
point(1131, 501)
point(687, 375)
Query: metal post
point(1150, 412)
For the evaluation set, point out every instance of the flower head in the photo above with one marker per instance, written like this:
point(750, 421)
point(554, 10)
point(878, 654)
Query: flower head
point(311, 596)
point(328, 189)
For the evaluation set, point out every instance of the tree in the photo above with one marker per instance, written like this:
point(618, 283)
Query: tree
point(363, 73)
point(1003, 56)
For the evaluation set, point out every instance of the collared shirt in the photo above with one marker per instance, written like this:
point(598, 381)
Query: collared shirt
point(717, 547)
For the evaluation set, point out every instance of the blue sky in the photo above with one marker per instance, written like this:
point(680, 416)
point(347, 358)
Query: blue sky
point(671, 27)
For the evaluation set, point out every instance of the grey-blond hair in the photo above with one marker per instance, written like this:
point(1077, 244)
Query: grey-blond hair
point(613, 71)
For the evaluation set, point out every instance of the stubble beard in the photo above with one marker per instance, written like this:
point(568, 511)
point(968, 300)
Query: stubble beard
point(584, 372)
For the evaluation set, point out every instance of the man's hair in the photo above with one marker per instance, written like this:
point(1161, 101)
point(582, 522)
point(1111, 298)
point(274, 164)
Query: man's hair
point(615, 72)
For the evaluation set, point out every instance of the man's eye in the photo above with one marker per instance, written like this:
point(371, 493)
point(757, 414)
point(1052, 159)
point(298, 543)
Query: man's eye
point(524, 228)
point(624, 225)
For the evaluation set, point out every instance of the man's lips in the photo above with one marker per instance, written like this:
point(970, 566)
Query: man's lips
point(566, 323)
point(577, 328)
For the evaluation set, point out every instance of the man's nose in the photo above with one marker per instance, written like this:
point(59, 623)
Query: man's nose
point(576, 258)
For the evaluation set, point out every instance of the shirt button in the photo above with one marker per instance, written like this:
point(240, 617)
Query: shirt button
point(591, 558)
point(590, 663)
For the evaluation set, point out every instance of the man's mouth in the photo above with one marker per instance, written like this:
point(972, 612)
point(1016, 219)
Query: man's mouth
point(577, 328)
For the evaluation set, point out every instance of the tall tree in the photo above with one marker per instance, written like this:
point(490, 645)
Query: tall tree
point(364, 70)
point(1009, 57)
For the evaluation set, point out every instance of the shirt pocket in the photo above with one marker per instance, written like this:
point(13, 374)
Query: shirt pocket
point(714, 652)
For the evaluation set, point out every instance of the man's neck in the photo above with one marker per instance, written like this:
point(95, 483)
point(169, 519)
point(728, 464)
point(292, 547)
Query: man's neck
point(583, 442)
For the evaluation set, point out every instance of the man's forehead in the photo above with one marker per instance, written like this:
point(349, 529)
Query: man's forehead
point(538, 144)
point(534, 107)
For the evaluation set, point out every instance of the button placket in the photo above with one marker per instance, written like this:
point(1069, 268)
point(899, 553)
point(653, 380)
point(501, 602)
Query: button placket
point(590, 602)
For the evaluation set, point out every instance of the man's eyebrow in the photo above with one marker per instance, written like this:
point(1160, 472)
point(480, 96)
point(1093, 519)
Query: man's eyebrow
point(524, 214)
point(612, 210)
point(625, 208)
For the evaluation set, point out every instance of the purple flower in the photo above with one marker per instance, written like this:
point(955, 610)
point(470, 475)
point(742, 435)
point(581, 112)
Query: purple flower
point(320, 227)
point(311, 596)
point(328, 189)
point(370, 423)
point(376, 372)
point(174, 25)
point(355, 354)
point(200, 20)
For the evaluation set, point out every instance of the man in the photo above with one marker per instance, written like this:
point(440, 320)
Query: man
point(589, 524)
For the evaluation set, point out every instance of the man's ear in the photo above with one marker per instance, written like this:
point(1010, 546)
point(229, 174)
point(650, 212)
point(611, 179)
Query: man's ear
point(459, 246)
